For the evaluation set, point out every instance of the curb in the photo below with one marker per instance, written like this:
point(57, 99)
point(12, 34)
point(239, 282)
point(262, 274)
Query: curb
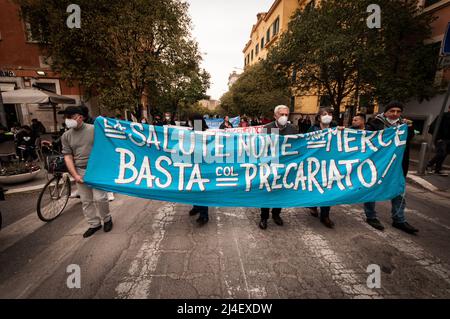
point(422, 183)
point(29, 188)
point(427, 186)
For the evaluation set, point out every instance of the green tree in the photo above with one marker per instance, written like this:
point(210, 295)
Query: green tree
point(335, 54)
point(257, 91)
point(124, 52)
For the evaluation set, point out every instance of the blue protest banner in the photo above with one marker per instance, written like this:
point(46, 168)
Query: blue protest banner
point(215, 123)
point(325, 168)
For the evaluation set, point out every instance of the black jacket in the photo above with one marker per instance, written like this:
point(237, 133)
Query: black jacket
point(289, 129)
point(380, 123)
point(444, 129)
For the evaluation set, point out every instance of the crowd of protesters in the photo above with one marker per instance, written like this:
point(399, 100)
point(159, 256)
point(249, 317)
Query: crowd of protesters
point(78, 139)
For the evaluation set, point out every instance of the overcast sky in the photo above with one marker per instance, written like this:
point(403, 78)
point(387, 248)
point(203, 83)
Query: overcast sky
point(222, 28)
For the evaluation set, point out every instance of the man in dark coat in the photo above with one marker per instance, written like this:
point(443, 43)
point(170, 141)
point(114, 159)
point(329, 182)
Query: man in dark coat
point(392, 117)
point(282, 127)
point(199, 124)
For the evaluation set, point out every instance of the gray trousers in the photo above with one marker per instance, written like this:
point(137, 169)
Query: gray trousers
point(93, 200)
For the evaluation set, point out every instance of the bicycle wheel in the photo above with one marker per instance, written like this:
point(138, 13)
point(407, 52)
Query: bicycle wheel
point(53, 198)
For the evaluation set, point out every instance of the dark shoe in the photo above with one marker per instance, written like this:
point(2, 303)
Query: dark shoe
point(375, 223)
point(91, 231)
point(263, 224)
point(202, 220)
point(193, 212)
point(277, 219)
point(327, 222)
point(407, 228)
point(314, 211)
point(108, 226)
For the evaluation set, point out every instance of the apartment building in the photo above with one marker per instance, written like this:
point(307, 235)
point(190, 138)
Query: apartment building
point(22, 65)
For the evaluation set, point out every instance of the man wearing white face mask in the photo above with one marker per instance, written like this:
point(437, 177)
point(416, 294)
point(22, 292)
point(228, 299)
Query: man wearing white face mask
point(77, 145)
point(282, 127)
point(324, 120)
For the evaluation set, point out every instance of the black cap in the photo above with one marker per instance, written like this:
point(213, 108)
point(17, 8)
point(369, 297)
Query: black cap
point(394, 104)
point(71, 110)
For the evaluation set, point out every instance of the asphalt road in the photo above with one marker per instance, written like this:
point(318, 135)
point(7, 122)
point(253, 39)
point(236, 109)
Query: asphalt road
point(156, 250)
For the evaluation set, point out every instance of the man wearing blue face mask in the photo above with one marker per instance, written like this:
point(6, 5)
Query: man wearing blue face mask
point(77, 145)
point(282, 127)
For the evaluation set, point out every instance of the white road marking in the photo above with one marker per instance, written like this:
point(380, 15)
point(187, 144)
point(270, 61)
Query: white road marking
point(345, 278)
point(23, 227)
point(136, 284)
point(431, 263)
point(43, 265)
point(432, 220)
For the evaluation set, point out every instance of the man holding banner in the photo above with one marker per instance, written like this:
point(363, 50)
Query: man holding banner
point(199, 124)
point(77, 144)
point(282, 127)
point(392, 118)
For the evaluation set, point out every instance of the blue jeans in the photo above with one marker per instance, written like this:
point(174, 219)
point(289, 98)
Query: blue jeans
point(397, 210)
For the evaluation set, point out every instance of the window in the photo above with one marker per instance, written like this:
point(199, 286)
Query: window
point(276, 27)
point(33, 32)
point(257, 49)
point(252, 55)
point(268, 36)
point(262, 43)
point(47, 86)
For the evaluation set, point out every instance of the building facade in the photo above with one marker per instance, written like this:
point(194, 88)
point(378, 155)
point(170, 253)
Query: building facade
point(233, 78)
point(211, 105)
point(22, 65)
point(424, 112)
point(271, 24)
point(266, 33)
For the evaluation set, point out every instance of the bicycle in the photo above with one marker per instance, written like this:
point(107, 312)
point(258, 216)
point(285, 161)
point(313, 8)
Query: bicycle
point(56, 193)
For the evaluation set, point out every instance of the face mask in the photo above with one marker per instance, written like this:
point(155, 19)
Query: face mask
point(283, 120)
point(326, 119)
point(167, 117)
point(71, 123)
point(392, 122)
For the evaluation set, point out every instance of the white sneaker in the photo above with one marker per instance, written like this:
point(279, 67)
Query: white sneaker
point(111, 196)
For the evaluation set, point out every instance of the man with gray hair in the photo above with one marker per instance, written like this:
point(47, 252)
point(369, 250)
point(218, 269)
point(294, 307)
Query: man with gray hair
point(282, 127)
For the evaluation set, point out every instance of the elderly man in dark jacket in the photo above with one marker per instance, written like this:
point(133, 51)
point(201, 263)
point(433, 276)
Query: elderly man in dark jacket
point(282, 127)
point(199, 124)
point(392, 117)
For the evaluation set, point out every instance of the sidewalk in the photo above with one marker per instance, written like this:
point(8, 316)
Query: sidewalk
point(430, 182)
point(36, 184)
